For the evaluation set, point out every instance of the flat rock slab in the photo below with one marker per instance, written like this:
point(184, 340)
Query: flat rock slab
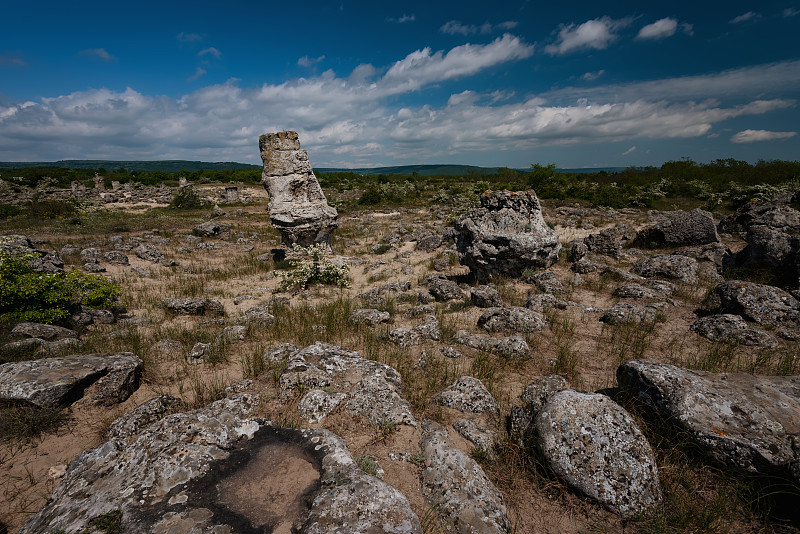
point(763, 304)
point(215, 470)
point(469, 395)
point(62, 381)
point(510, 347)
point(743, 421)
point(595, 446)
point(48, 332)
point(729, 328)
point(458, 489)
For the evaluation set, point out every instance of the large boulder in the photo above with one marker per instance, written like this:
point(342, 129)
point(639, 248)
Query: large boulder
point(216, 470)
point(513, 319)
point(729, 328)
point(674, 267)
point(457, 488)
point(297, 206)
point(763, 304)
point(506, 235)
point(680, 228)
point(596, 447)
point(742, 421)
point(109, 378)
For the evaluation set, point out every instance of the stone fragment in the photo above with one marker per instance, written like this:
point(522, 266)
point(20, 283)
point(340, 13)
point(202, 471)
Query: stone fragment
point(189, 306)
point(514, 319)
point(763, 304)
point(483, 438)
point(149, 253)
point(116, 257)
point(543, 302)
point(730, 328)
point(404, 337)
point(680, 268)
point(457, 487)
point(211, 228)
point(622, 313)
point(47, 332)
point(62, 381)
point(608, 242)
point(512, 347)
point(597, 448)
point(648, 289)
point(297, 208)
point(546, 282)
point(443, 289)
point(201, 352)
point(468, 394)
point(127, 426)
point(537, 392)
point(93, 267)
point(369, 316)
point(742, 421)
point(680, 228)
point(486, 297)
point(260, 314)
point(506, 235)
point(280, 353)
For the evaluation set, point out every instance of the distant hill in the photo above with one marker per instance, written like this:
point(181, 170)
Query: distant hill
point(149, 166)
point(184, 165)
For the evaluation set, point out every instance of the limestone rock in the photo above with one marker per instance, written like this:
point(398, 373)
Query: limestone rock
point(443, 289)
point(280, 353)
point(743, 421)
point(607, 242)
point(318, 404)
point(506, 235)
point(483, 438)
point(198, 472)
point(42, 261)
point(512, 347)
point(297, 206)
point(680, 228)
point(595, 446)
point(537, 392)
point(47, 332)
point(623, 312)
point(486, 297)
point(457, 487)
point(514, 319)
point(680, 268)
point(130, 424)
point(369, 316)
point(200, 306)
point(468, 394)
point(763, 304)
point(149, 253)
point(543, 302)
point(260, 314)
point(116, 257)
point(648, 289)
point(732, 329)
point(62, 381)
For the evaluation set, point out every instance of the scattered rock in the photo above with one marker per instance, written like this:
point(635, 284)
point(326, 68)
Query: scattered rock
point(680, 268)
point(623, 312)
point(648, 289)
point(41, 261)
point(457, 488)
point(261, 314)
point(149, 253)
point(486, 297)
point(62, 381)
point(278, 354)
point(512, 347)
point(128, 426)
point(506, 235)
point(211, 228)
point(730, 328)
point(762, 304)
point(115, 257)
point(200, 306)
point(743, 421)
point(542, 302)
point(514, 319)
point(596, 447)
point(680, 228)
point(483, 438)
point(443, 289)
point(46, 332)
point(468, 394)
point(607, 242)
point(369, 316)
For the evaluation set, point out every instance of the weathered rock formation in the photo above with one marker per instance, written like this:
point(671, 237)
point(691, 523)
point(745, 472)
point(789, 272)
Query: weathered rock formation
point(763, 304)
point(215, 470)
point(680, 228)
point(506, 235)
point(743, 421)
point(297, 206)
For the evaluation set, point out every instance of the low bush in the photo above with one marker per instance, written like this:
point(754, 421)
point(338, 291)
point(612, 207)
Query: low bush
point(186, 198)
point(320, 270)
point(28, 295)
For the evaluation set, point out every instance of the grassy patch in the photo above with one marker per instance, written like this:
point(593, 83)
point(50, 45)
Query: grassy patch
point(27, 422)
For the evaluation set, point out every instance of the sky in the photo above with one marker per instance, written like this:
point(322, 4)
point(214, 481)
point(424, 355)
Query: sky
point(367, 84)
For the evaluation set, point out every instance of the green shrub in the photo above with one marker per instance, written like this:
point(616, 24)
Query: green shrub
point(52, 209)
point(9, 210)
point(320, 270)
point(28, 295)
point(186, 199)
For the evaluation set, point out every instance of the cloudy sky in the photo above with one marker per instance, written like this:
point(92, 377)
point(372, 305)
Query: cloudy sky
point(578, 84)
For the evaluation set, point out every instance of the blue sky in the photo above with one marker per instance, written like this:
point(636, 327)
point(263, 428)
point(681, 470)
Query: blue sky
point(578, 84)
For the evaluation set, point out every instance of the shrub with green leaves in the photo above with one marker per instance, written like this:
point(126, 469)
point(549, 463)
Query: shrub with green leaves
point(28, 295)
point(186, 198)
point(320, 270)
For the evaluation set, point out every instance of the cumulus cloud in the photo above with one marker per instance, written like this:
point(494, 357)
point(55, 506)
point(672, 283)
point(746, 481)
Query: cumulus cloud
point(660, 29)
point(455, 27)
point(751, 136)
point(750, 15)
point(184, 37)
point(595, 34)
point(210, 51)
point(12, 60)
point(98, 53)
point(307, 61)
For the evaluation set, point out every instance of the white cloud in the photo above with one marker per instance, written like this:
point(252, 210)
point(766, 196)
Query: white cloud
point(790, 12)
point(660, 29)
point(751, 136)
point(306, 61)
point(750, 15)
point(210, 51)
point(401, 20)
point(99, 53)
point(455, 27)
point(630, 151)
point(199, 73)
point(12, 60)
point(184, 37)
point(594, 34)
point(591, 76)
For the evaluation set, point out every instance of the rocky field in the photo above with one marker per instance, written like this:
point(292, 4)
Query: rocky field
point(513, 368)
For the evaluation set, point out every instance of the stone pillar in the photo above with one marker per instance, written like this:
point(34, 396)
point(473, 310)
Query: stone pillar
point(231, 194)
point(297, 206)
point(115, 185)
point(99, 182)
point(182, 182)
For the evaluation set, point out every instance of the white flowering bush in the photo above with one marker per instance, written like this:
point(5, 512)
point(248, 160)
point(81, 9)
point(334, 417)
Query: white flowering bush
point(319, 270)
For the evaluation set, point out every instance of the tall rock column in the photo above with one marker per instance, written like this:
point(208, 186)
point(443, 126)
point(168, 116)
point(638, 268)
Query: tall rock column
point(297, 206)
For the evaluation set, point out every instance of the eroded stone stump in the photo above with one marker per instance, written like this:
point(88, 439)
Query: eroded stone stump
point(297, 206)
